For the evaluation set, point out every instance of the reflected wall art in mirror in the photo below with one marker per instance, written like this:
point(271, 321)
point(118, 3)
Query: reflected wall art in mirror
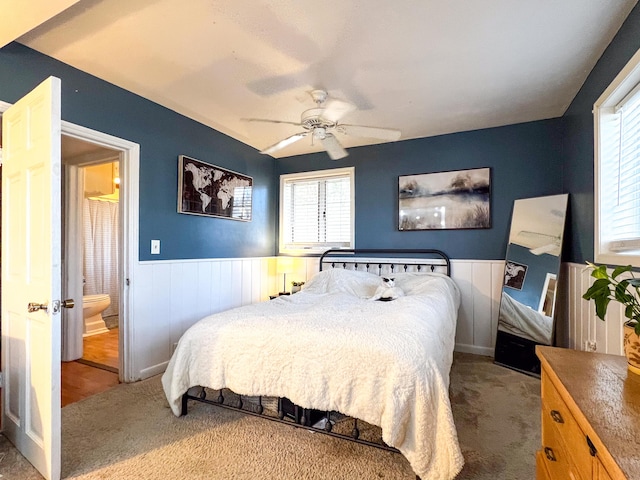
point(532, 265)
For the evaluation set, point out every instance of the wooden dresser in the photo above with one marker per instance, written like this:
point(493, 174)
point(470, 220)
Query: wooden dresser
point(590, 417)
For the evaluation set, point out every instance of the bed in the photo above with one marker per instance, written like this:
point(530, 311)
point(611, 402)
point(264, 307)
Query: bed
point(331, 348)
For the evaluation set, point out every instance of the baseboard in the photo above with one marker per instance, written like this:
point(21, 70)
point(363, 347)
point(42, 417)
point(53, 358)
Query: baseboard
point(153, 370)
point(476, 350)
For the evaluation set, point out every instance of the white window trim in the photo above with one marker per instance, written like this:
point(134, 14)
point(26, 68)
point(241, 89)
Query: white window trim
point(624, 83)
point(314, 175)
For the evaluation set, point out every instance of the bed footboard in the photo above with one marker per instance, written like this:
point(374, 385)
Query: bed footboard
point(298, 417)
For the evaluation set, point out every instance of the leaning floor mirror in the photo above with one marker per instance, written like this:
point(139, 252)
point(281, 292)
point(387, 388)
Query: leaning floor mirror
point(532, 265)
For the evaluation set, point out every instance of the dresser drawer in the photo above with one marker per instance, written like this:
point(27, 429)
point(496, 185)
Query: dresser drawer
point(556, 414)
point(555, 454)
point(601, 473)
point(541, 467)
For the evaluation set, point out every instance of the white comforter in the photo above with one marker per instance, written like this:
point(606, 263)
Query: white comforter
point(330, 348)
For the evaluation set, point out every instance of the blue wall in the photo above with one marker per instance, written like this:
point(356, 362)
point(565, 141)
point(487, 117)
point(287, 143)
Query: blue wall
point(525, 161)
point(532, 159)
point(578, 149)
point(162, 135)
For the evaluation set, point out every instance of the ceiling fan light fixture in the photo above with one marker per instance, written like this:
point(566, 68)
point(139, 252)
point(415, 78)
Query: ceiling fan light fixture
point(322, 121)
point(319, 133)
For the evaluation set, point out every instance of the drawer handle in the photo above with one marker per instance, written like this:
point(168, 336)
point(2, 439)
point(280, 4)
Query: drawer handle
point(592, 448)
point(557, 416)
point(550, 455)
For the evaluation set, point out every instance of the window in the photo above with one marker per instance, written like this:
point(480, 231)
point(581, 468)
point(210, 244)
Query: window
point(617, 169)
point(316, 210)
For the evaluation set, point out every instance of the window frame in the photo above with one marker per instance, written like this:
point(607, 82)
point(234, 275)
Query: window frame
point(624, 83)
point(315, 175)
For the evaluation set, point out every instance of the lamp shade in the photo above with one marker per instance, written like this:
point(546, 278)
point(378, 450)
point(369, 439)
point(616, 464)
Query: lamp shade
point(284, 265)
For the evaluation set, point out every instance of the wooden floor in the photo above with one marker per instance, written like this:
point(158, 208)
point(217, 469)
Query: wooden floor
point(79, 380)
point(102, 348)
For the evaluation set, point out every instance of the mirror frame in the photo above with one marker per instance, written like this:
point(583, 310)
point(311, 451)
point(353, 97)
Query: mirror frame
point(515, 344)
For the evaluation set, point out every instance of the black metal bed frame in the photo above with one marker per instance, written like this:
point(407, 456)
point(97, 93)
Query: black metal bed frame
point(436, 257)
point(301, 417)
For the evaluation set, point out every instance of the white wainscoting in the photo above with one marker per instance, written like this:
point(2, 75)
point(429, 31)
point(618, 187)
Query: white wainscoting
point(170, 296)
point(480, 283)
point(578, 323)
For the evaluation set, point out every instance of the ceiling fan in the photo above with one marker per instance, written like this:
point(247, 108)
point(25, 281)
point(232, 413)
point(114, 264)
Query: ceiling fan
point(322, 122)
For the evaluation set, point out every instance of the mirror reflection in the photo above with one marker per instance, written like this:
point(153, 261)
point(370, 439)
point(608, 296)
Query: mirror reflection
point(527, 306)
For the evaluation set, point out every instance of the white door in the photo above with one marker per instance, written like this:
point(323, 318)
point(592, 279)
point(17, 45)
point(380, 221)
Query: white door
point(31, 274)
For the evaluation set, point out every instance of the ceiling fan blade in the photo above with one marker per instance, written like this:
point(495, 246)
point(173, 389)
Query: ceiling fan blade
point(267, 120)
point(389, 134)
point(333, 147)
point(551, 248)
point(284, 143)
point(334, 109)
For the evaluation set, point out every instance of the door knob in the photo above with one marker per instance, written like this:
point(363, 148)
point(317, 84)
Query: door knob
point(68, 303)
point(34, 307)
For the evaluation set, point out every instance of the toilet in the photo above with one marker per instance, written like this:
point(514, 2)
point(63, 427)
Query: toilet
point(92, 308)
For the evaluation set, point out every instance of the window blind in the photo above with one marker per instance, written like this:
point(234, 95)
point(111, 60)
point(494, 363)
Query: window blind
point(620, 175)
point(316, 212)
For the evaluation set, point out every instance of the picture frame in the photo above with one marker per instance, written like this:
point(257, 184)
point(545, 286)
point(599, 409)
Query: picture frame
point(514, 274)
point(456, 199)
point(212, 191)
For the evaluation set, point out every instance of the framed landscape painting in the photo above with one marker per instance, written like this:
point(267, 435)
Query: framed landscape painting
point(445, 200)
point(205, 189)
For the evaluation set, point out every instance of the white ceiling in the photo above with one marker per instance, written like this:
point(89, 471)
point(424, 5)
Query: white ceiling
point(425, 67)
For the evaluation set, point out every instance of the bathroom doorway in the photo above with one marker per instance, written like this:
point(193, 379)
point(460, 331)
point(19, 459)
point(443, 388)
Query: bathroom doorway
point(91, 260)
point(129, 157)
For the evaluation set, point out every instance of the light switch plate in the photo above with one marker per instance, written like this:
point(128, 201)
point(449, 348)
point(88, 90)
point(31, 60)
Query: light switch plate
point(155, 247)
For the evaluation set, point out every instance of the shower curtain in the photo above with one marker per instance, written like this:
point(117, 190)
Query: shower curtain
point(100, 222)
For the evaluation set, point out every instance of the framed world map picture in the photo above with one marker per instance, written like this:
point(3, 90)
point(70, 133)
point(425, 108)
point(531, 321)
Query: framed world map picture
point(205, 189)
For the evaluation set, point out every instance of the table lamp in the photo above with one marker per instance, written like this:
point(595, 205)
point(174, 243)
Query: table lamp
point(284, 266)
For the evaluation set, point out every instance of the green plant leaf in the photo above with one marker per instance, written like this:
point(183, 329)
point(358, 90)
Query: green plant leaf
point(620, 270)
point(621, 294)
point(601, 306)
point(607, 288)
point(600, 272)
point(599, 288)
point(634, 282)
point(628, 311)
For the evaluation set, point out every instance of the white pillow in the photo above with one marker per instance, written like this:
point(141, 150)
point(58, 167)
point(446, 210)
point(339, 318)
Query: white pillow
point(417, 283)
point(339, 280)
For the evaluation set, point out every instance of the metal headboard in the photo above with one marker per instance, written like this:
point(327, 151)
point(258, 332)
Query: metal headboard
point(339, 258)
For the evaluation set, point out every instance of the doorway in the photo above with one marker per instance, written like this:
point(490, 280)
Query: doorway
point(32, 337)
point(128, 157)
point(91, 265)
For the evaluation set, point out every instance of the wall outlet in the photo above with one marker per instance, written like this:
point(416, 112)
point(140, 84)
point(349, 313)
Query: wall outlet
point(155, 247)
point(590, 346)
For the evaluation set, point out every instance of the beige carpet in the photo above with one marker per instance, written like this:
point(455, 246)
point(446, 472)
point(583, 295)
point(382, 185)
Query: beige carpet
point(130, 433)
